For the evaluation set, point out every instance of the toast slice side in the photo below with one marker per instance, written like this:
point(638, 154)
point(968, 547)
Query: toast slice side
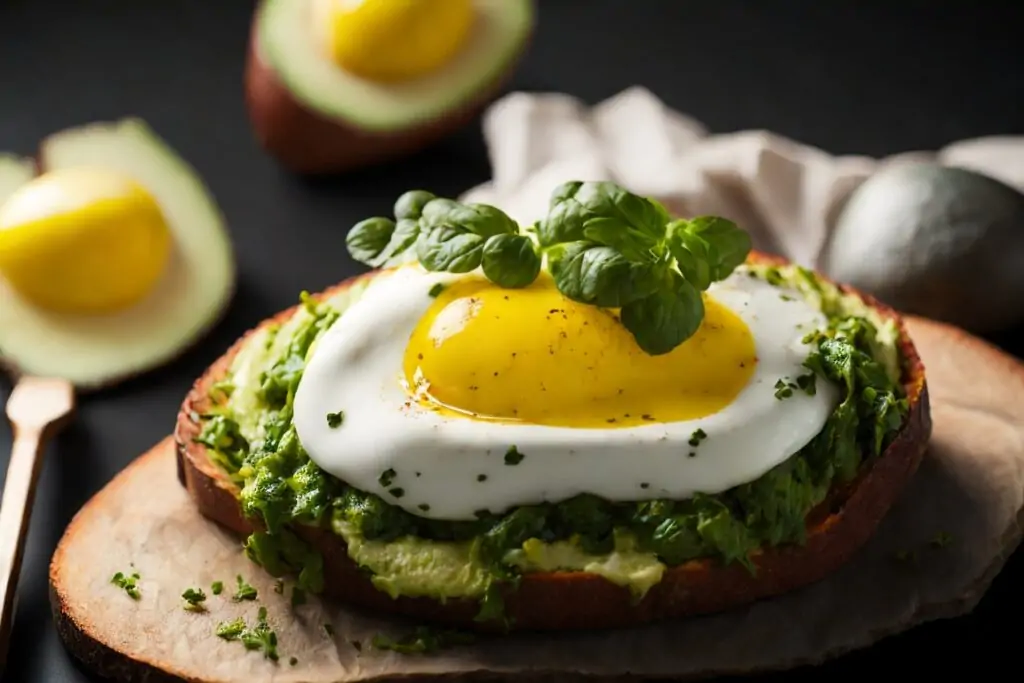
point(577, 600)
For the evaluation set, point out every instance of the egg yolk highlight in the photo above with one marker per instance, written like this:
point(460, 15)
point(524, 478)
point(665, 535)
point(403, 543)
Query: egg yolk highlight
point(392, 40)
point(83, 240)
point(530, 355)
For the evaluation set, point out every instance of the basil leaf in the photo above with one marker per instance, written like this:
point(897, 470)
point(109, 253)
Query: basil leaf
point(573, 205)
point(410, 204)
point(628, 241)
point(434, 213)
point(665, 319)
point(449, 249)
point(599, 275)
point(715, 241)
point(368, 238)
point(691, 255)
point(397, 251)
point(482, 219)
point(510, 261)
point(565, 219)
point(606, 199)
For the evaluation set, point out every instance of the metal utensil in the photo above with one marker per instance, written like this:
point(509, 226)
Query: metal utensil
point(37, 409)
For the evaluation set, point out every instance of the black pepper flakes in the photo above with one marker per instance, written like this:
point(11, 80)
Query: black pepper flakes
point(397, 492)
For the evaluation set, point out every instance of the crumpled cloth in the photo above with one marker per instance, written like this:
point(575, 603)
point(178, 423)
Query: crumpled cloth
point(785, 193)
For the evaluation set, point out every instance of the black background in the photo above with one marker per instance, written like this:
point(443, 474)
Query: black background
point(851, 77)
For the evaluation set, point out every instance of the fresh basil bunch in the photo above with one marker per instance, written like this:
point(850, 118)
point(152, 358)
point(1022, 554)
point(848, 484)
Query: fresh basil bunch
point(604, 246)
point(448, 236)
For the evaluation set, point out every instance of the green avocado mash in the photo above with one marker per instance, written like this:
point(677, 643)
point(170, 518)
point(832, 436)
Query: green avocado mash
point(251, 436)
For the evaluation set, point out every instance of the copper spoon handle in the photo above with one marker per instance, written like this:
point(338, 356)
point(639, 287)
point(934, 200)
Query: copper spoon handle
point(15, 511)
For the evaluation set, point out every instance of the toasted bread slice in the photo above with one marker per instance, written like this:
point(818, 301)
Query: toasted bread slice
point(578, 600)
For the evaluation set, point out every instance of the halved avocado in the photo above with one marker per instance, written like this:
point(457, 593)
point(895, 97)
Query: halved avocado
point(93, 351)
point(314, 116)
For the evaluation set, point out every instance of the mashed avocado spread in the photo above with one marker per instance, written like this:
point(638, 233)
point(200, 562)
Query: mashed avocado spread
point(250, 434)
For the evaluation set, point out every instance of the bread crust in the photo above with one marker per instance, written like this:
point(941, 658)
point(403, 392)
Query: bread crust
point(577, 600)
point(309, 143)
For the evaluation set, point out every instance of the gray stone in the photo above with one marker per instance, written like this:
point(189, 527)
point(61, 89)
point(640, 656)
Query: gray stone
point(944, 243)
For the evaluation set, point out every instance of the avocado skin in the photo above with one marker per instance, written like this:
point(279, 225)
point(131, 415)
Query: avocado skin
point(939, 242)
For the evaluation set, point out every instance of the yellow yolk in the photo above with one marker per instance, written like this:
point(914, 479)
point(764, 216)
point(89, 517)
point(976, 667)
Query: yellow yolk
point(533, 356)
point(83, 240)
point(392, 40)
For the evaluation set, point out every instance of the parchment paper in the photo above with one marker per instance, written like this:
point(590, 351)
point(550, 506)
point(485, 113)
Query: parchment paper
point(787, 194)
point(970, 488)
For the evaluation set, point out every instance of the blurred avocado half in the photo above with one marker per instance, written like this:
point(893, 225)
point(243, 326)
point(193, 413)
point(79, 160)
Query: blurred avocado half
point(940, 242)
point(333, 85)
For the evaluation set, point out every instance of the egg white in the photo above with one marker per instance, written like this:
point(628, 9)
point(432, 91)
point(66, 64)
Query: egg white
point(357, 365)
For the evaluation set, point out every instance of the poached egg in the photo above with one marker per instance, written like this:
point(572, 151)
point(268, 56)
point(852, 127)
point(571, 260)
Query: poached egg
point(447, 395)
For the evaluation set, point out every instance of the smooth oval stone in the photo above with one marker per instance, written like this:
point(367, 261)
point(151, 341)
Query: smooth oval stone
point(944, 243)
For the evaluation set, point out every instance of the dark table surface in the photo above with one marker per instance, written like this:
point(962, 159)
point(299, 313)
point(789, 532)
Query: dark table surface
point(850, 77)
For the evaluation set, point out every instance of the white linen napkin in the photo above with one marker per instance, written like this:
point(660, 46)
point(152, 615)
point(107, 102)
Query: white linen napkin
point(785, 193)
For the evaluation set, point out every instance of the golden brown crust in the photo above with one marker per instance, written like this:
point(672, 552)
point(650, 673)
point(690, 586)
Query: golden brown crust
point(576, 600)
point(307, 142)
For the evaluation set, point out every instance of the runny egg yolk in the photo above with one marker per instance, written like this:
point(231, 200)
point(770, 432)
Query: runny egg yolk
point(83, 240)
point(531, 355)
point(392, 40)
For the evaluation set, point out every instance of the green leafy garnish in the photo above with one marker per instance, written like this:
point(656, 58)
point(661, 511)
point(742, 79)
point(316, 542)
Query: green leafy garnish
point(217, 587)
point(510, 261)
point(244, 590)
point(194, 599)
point(513, 456)
point(334, 420)
point(423, 640)
point(259, 637)
point(386, 477)
point(230, 630)
point(127, 582)
point(602, 245)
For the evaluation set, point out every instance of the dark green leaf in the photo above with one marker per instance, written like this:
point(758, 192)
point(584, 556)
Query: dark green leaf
point(510, 261)
point(450, 249)
point(480, 219)
point(707, 248)
point(367, 239)
point(662, 321)
point(574, 204)
point(691, 255)
point(402, 239)
point(410, 204)
point(608, 200)
point(483, 219)
point(730, 245)
point(565, 219)
point(634, 244)
point(601, 276)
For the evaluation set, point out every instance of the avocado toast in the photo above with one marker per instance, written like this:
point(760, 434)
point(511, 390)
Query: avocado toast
point(791, 527)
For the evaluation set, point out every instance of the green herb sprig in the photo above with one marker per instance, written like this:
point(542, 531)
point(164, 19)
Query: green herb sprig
point(601, 244)
point(258, 637)
point(128, 583)
point(194, 599)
